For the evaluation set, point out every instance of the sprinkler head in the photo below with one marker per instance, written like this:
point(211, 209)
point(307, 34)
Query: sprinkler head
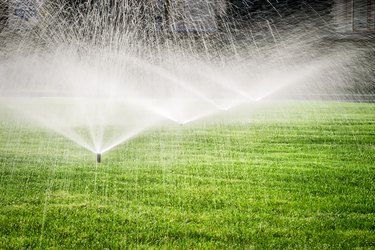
point(98, 157)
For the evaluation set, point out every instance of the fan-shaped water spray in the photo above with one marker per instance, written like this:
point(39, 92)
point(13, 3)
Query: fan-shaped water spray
point(107, 71)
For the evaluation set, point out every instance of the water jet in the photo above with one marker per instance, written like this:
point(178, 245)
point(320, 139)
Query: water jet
point(109, 88)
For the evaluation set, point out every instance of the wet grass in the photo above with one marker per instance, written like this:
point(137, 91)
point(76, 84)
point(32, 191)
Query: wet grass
point(283, 176)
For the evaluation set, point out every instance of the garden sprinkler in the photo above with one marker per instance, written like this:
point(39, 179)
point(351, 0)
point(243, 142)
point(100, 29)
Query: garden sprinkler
point(98, 158)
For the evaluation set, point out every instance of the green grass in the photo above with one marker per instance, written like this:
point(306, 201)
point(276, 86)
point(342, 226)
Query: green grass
point(292, 175)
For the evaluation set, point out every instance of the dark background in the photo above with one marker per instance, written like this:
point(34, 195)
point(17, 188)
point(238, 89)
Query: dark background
point(247, 9)
point(240, 10)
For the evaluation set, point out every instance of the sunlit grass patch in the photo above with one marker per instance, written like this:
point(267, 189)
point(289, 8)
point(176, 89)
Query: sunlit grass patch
point(282, 176)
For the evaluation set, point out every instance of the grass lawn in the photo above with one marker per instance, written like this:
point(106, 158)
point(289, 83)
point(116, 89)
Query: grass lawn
point(283, 175)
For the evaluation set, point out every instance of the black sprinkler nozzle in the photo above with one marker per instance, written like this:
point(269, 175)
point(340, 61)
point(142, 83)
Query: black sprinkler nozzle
point(98, 158)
